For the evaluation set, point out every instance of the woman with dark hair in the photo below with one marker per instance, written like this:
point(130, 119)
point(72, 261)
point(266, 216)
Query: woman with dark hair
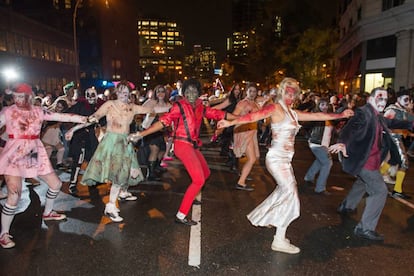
point(228, 105)
point(155, 141)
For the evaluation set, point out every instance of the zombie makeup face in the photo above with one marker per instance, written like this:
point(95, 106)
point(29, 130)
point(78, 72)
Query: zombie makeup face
point(378, 100)
point(91, 95)
point(191, 93)
point(404, 101)
point(289, 95)
point(22, 100)
point(123, 93)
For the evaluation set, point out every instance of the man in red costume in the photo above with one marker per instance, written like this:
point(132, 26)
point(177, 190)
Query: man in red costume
point(187, 115)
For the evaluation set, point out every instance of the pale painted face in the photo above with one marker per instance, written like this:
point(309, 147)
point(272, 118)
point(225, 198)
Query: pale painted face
point(22, 100)
point(404, 101)
point(289, 95)
point(379, 100)
point(123, 94)
point(91, 95)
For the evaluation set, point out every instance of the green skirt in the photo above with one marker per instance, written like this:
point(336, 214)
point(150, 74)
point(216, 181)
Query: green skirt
point(114, 160)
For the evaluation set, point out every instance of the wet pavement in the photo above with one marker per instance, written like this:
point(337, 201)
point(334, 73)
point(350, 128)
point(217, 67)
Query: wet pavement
point(148, 242)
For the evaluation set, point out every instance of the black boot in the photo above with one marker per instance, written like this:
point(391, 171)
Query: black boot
point(152, 174)
point(234, 162)
point(158, 168)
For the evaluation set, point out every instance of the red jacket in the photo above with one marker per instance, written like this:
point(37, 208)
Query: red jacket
point(194, 118)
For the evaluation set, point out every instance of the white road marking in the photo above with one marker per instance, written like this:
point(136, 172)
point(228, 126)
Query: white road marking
point(403, 201)
point(194, 248)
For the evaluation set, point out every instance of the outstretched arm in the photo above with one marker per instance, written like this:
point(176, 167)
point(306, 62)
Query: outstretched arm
point(64, 117)
point(70, 132)
point(263, 113)
point(320, 116)
point(134, 137)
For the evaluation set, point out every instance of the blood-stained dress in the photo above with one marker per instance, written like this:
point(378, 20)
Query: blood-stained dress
point(24, 153)
point(115, 159)
point(282, 206)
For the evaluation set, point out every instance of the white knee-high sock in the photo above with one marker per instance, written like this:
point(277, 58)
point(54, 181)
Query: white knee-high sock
point(50, 199)
point(7, 215)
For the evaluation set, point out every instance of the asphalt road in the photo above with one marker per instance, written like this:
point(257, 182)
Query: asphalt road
point(148, 242)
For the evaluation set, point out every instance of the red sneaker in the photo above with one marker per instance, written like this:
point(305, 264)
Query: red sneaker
point(167, 158)
point(5, 241)
point(54, 216)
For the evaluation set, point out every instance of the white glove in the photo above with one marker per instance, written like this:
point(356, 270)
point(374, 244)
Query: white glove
point(135, 137)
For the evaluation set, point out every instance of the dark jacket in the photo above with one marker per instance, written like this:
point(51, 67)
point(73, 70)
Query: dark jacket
point(359, 134)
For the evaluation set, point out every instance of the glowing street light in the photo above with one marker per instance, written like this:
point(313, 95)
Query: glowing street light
point(10, 74)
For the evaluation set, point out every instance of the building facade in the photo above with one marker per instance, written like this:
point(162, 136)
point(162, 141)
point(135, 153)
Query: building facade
point(161, 51)
point(376, 45)
point(41, 55)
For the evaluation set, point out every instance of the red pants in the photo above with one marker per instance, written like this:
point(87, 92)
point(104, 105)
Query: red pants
point(197, 168)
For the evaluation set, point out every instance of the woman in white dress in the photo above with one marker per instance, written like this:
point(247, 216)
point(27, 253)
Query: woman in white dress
point(282, 206)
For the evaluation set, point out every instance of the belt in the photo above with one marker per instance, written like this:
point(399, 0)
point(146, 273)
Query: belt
point(28, 137)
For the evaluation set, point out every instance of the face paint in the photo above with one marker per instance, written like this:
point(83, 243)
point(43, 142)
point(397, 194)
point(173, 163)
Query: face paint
point(289, 95)
point(379, 100)
point(91, 95)
point(191, 94)
point(123, 94)
point(21, 100)
point(404, 101)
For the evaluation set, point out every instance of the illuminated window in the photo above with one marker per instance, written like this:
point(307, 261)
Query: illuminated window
point(68, 4)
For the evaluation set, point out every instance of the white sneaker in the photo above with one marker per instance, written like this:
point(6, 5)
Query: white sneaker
point(112, 212)
point(284, 246)
point(388, 179)
point(124, 195)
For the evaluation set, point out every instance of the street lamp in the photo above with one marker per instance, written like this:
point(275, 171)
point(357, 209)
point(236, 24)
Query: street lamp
point(75, 41)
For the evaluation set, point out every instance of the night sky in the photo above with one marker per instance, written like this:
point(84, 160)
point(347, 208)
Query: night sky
point(209, 22)
point(204, 22)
